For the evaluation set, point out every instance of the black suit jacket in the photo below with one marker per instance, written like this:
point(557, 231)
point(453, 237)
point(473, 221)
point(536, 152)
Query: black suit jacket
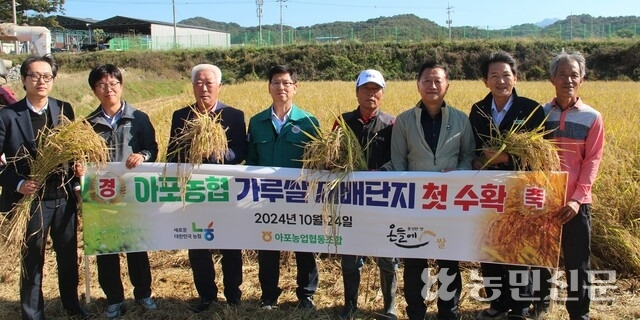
point(16, 140)
point(231, 119)
point(481, 120)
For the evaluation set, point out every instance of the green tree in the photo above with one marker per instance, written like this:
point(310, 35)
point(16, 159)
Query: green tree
point(38, 12)
point(98, 35)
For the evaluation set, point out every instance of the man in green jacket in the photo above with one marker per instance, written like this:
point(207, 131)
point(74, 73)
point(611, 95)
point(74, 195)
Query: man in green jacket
point(276, 138)
point(432, 136)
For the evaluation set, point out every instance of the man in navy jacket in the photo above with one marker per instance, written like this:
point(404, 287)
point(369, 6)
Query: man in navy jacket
point(54, 210)
point(206, 80)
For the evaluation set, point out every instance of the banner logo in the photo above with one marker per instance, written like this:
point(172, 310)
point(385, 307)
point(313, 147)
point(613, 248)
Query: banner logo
point(410, 237)
point(108, 188)
point(267, 236)
point(207, 232)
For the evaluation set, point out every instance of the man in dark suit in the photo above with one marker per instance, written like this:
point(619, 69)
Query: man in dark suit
point(54, 210)
point(206, 80)
point(502, 109)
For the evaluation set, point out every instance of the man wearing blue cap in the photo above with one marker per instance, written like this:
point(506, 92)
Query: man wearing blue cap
point(373, 129)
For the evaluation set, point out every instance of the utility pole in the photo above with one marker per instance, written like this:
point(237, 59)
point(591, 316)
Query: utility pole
point(281, 30)
point(259, 3)
point(571, 27)
point(15, 21)
point(175, 27)
point(449, 11)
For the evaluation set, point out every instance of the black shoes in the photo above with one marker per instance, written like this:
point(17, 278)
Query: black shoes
point(78, 312)
point(389, 316)
point(234, 302)
point(306, 303)
point(202, 306)
point(268, 304)
point(348, 312)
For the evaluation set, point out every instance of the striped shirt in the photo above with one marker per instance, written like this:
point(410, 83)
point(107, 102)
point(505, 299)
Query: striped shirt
point(579, 133)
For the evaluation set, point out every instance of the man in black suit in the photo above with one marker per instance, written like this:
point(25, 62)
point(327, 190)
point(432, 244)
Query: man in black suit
point(502, 109)
point(206, 80)
point(54, 210)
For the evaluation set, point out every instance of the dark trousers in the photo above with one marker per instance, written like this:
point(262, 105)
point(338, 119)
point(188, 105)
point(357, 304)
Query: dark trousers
point(508, 286)
point(204, 274)
point(448, 295)
point(269, 274)
point(111, 283)
point(576, 249)
point(57, 218)
point(351, 266)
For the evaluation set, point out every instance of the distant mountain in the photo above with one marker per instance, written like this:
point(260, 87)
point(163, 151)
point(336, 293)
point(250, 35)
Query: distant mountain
point(381, 28)
point(409, 20)
point(584, 26)
point(386, 28)
point(221, 26)
point(546, 22)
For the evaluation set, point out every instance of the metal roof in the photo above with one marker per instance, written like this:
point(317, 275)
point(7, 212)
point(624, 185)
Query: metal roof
point(120, 24)
point(74, 23)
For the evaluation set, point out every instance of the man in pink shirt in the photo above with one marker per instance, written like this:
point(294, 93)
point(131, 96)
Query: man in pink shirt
point(579, 135)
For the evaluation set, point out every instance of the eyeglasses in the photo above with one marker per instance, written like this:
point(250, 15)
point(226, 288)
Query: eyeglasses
point(35, 77)
point(285, 84)
point(106, 86)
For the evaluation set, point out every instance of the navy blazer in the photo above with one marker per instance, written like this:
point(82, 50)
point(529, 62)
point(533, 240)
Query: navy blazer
point(231, 119)
point(481, 121)
point(16, 140)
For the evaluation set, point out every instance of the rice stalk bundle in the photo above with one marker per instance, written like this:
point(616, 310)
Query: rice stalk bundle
point(529, 148)
point(512, 238)
point(202, 137)
point(524, 234)
point(331, 156)
point(68, 142)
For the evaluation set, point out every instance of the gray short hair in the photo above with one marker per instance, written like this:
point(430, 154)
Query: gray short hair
point(564, 56)
point(206, 67)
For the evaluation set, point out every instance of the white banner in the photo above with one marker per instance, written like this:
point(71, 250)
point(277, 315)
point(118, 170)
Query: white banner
point(492, 216)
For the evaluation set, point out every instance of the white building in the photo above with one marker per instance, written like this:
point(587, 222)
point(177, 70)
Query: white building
point(130, 33)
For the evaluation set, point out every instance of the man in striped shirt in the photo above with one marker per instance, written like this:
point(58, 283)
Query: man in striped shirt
point(579, 135)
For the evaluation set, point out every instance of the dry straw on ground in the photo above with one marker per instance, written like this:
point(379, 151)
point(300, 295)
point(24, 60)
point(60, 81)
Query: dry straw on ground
point(330, 157)
point(69, 142)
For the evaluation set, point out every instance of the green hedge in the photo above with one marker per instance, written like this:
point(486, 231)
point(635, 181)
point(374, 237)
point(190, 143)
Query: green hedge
point(606, 60)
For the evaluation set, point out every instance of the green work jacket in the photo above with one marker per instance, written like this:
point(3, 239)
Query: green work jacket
point(268, 148)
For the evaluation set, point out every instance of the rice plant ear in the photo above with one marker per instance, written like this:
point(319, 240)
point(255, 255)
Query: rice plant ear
point(70, 141)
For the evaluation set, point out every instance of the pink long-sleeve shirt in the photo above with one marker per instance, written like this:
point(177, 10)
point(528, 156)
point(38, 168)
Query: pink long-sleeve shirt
point(579, 133)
